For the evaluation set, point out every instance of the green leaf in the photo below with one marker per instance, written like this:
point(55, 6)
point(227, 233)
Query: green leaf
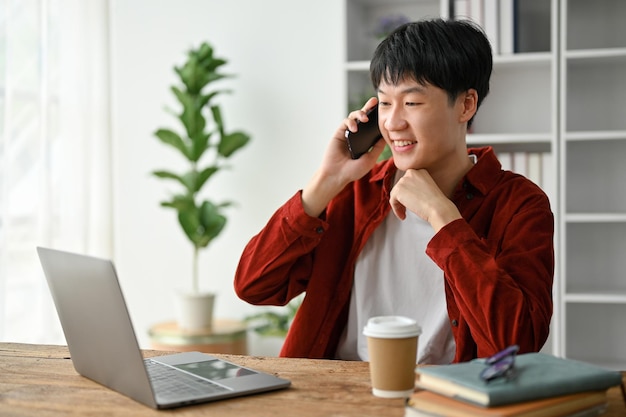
point(181, 202)
point(215, 77)
point(204, 99)
point(205, 52)
point(201, 225)
point(192, 117)
point(208, 62)
point(199, 145)
point(231, 143)
point(225, 204)
point(166, 174)
point(182, 96)
point(214, 64)
point(191, 226)
point(188, 116)
point(211, 219)
point(270, 323)
point(170, 175)
point(200, 68)
point(210, 96)
point(173, 139)
point(192, 74)
point(217, 117)
point(190, 180)
point(204, 175)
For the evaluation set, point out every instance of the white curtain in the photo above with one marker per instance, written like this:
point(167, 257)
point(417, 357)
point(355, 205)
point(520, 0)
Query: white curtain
point(55, 151)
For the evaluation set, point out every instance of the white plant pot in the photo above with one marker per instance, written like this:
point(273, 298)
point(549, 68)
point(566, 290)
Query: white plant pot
point(194, 311)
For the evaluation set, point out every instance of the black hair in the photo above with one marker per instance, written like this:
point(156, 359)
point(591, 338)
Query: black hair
point(454, 55)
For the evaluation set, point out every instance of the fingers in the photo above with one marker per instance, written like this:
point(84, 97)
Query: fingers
point(417, 192)
point(369, 104)
point(356, 116)
point(398, 208)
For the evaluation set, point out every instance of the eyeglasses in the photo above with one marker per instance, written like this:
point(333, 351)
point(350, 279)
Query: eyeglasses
point(500, 365)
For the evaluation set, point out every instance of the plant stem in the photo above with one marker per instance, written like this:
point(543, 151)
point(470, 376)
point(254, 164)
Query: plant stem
point(194, 282)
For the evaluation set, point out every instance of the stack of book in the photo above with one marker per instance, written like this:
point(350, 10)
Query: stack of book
point(512, 26)
point(541, 386)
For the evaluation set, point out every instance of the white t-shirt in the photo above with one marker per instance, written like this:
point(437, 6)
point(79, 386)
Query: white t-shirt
point(394, 276)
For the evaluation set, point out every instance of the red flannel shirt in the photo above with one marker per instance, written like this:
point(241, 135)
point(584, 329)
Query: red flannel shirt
point(498, 261)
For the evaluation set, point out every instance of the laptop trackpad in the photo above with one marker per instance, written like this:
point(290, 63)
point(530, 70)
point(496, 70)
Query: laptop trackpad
point(215, 369)
point(206, 366)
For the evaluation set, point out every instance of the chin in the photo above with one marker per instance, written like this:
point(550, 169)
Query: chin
point(406, 162)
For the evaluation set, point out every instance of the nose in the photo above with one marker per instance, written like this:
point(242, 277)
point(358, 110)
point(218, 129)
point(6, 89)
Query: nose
point(394, 119)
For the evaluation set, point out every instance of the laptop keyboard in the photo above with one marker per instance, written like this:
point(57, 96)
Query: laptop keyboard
point(171, 383)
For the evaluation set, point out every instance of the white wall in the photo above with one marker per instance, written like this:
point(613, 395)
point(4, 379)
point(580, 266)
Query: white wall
point(287, 56)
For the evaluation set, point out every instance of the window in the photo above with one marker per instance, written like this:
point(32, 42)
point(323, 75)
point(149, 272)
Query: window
point(45, 149)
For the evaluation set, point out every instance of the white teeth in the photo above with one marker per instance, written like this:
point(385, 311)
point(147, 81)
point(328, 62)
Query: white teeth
point(403, 142)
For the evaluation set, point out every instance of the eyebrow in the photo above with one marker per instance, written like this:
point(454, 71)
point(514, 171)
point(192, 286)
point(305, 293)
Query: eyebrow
point(414, 89)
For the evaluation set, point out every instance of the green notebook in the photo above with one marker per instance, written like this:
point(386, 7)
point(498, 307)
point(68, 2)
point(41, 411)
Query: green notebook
point(537, 375)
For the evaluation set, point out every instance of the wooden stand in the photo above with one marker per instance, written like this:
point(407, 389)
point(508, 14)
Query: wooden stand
point(226, 336)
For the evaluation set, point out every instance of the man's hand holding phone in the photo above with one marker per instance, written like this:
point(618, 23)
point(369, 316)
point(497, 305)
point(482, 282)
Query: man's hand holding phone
point(367, 134)
point(361, 141)
point(338, 168)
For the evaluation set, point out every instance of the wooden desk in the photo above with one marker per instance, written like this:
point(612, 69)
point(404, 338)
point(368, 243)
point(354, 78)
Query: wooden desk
point(40, 380)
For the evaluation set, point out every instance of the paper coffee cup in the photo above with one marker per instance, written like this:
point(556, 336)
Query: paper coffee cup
point(392, 346)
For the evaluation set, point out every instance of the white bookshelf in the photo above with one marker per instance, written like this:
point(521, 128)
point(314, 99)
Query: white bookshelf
point(362, 18)
point(557, 92)
point(592, 131)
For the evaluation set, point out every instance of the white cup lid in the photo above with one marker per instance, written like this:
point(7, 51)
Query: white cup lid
point(391, 327)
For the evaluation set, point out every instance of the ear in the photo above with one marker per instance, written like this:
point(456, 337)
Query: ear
point(468, 104)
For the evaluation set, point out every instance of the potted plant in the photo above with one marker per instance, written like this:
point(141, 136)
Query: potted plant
point(203, 142)
point(271, 327)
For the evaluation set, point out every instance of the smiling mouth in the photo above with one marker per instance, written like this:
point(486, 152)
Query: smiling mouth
point(402, 143)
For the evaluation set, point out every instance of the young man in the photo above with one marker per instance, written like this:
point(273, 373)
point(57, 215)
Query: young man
point(438, 233)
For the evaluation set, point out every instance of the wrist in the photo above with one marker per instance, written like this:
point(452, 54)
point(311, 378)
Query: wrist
point(318, 193)
point(444, 216)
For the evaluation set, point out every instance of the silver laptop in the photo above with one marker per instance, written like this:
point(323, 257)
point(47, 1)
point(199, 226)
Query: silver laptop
point(104, 348)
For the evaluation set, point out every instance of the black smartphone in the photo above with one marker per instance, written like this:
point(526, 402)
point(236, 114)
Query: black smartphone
point(366, 136)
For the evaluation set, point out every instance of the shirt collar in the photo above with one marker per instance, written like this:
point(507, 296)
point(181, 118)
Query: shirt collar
point(484, 174)
point(482, 177)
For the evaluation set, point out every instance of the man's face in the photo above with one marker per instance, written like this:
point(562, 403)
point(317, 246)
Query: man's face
point(420, 125)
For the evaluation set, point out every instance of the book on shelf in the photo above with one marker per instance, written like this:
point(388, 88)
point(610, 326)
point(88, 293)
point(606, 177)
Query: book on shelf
point(494, 16)
point(491, 24)
point(520, 163)
point(512, 26)
point(506, 27)
point(587, 404)
point(528, 164)
point(536, 166)
point(535, 376)
point(531, 26)
point(506, 160)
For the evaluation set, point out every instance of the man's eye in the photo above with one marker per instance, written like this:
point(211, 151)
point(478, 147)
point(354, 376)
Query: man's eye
point(412, 103)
